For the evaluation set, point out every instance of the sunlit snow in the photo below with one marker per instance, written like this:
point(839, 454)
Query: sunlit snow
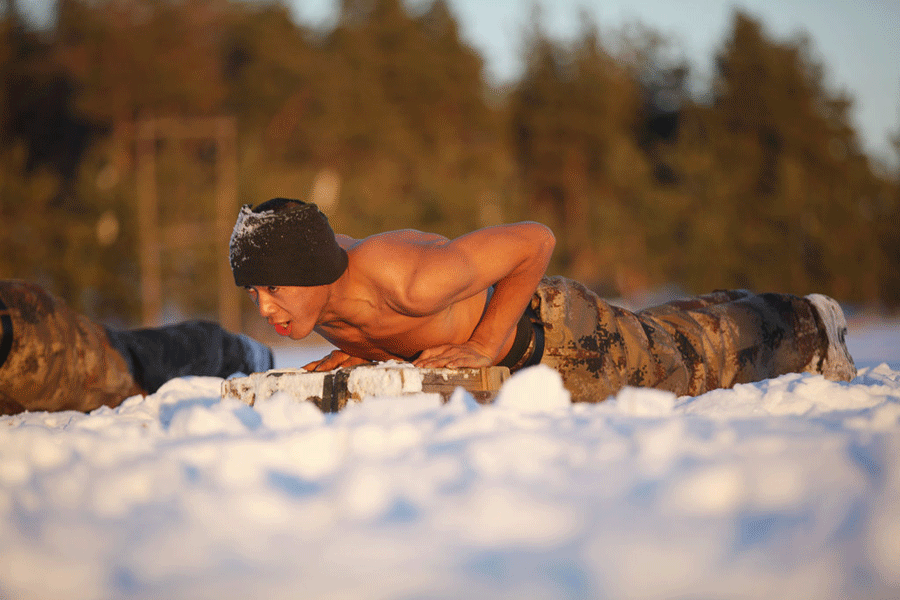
point(787, 488)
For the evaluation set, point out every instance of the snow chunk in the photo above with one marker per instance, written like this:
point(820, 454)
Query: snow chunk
point(717, 489)
point(535, 389)
point(197, 419)
point(462, 401)
point(282, 411)
point(644, 402)
point(389, 378)
point(498, 516)
point(308, 386)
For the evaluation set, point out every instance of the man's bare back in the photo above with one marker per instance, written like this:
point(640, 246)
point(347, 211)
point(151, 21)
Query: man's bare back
point(418, 296)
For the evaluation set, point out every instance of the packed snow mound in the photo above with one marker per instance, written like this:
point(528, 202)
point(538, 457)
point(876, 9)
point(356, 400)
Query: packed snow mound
point(535, 389)
point(784, 488)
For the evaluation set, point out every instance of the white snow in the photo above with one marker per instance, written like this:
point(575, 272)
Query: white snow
point(388, 378)
point(259, 386)
point(787, 488)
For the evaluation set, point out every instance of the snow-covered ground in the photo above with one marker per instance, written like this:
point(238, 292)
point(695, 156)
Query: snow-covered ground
point(788, 488)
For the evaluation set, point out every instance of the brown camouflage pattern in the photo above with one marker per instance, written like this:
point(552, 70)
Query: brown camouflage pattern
point(687, 347)
point(59, 359)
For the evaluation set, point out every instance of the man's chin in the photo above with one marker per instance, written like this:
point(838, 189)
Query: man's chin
point(298, 333)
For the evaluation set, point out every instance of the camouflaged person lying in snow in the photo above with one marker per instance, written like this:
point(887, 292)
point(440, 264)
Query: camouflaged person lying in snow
point(483, 299)
point(52, 358)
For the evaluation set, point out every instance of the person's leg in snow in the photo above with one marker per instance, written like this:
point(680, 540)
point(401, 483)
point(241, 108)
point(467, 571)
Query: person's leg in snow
point(156, 355)
point(52, 358)
point(687, 347)
point(56, 358)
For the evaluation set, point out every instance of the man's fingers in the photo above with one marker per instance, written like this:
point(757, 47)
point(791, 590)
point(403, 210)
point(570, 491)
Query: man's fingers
point(312, 366)
point(319, 365)
point(448, 356)
point(334, 360)
point(430, 353)
point(434, 363)
point(327, 363)
point(433, 358)
point(452, 357)
point(353, 361)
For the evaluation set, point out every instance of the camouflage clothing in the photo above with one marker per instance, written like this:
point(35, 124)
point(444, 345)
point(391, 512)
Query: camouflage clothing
point(52, 358)
point(688, 347)
point(59, 360)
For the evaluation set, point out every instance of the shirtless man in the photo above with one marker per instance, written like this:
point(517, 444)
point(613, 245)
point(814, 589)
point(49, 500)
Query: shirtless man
point(482, 299)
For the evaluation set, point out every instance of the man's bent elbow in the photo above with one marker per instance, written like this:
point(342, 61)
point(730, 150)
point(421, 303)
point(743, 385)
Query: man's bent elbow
point(543, 238)
point(549, 238)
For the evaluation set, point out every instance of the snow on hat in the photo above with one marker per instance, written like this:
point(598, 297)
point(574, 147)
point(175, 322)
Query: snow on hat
point(284, 242)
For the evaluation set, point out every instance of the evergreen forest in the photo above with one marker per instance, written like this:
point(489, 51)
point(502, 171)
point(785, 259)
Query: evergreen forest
point(755, 179)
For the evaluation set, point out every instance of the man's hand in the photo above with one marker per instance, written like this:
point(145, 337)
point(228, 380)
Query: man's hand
point(453, 357)
point(338, 358)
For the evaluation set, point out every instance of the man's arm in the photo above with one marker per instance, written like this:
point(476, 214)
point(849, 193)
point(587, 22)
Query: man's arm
point(512, 258)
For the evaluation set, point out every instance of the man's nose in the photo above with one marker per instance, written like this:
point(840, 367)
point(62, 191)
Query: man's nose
point(265, 304)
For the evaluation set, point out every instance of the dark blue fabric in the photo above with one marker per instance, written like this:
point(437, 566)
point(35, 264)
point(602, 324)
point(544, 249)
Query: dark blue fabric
point(156, 355)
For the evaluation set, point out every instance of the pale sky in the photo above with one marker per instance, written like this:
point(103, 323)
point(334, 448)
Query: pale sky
point(857, 40)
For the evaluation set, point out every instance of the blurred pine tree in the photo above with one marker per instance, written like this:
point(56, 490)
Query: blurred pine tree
point(758, 181)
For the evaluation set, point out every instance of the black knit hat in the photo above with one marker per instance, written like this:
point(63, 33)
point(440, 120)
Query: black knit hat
point(285, 242)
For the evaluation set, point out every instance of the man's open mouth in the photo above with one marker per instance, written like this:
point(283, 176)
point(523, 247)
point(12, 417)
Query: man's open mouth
point(283, 328)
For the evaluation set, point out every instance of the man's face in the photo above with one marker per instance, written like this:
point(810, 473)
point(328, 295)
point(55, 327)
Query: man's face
point(291, 310)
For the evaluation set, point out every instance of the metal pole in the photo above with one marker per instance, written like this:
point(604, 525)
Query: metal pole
point(226, 203)
point(148, 225)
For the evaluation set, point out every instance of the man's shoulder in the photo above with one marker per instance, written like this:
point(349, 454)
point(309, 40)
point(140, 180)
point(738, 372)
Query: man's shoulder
point(391, 242)
point(387, 261)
